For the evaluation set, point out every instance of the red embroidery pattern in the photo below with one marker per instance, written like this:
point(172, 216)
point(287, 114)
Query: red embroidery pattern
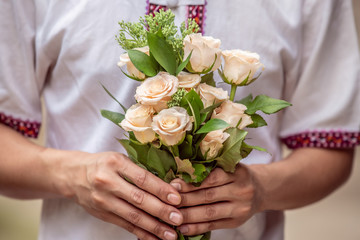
point(331, 139)
point(26, 128)
point(197, 12)
point(153, 8)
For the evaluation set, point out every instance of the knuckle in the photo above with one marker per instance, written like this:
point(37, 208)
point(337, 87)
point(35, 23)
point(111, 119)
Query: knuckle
point(164, 212)
point(157, 230)
point(137, 196)
point(100, 180)
point(129, 227)
point(134, 217)
point(184, 199)
point(209, 195)
point(211, 226)
point(214, 177)
point(210, 211)
point(97, 200)
point(141, 177)
point(112, 160)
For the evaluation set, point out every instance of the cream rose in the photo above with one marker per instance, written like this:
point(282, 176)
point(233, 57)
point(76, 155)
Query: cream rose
point(171, 125)
point(240, 64)
point(231, 113)
point(213, 143)
point(204, 51)
point(138, 119)
point(210, 95)
point(157, 90)
point(132, 70)
point(188, 80)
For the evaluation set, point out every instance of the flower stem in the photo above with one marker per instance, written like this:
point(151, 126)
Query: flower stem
point(233, 91)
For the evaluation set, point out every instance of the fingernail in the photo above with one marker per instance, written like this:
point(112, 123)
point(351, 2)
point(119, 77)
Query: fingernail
point(184, 229)
point(173, 198)
point(175, 217)
point(177, 186)
point(169, 235)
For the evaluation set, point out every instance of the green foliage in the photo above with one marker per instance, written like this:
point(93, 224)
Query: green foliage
point(176, 98)
point(162, 52)
point(134, 35)
point(265, 104)
point(135, 31)
point(115, 117)
point(208, 79)
point(231, 155)
point(193, 104)
point(213, 125)
point(258, 121)
point(160, 161)
point(108, 92)
point(144, 63)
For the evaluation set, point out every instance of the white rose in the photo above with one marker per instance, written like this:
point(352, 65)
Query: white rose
point(188, 80)
point(213, 143)
point(138, 119)
point(171, 125)
point(240, 64)
point(132, 70)
point(210, 95)
point(157, 90)
point(204, 51)
point(231, 113)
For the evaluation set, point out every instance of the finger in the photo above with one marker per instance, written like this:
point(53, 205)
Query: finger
point(216, 178)
point(200, 228)
point(206, 213)
point(116, 220)
point(140, 219)
point(207, 195)
point(149, 182)
point(148, 203)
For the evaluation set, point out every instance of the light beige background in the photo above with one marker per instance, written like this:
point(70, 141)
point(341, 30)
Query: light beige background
point(334, 218)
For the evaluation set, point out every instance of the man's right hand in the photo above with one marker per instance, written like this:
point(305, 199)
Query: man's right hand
point(97, 182)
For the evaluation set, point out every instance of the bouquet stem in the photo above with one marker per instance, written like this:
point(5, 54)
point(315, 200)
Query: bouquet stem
point(233, 91)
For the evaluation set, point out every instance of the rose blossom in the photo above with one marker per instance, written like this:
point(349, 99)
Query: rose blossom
point(231, 113)
point(171, 124)
point(188, 80)
point(138, 119)
point(204, 51)
point(157, 90)
point(212, 143)
point(210, 95)
point(240, 64)
point(132, 70)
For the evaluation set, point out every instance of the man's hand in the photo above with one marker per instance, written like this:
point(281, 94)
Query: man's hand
point(223, 200)
point(97, 182)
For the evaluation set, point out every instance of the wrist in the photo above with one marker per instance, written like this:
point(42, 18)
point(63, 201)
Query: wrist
point(260, 176)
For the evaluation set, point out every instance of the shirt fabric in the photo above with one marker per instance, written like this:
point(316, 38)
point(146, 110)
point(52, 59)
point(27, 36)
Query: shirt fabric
point(62, 50)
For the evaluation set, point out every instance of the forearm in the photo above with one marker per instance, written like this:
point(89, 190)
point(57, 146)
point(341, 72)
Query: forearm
point(24, 171)
point(305, 176)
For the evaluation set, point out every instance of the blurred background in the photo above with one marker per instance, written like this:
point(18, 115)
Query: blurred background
point(336, 217)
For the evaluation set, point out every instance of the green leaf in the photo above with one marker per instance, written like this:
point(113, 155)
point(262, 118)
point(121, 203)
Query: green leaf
point(185, 166)
point(231, 154)
point(183, 64)
point(258, 121)
point(109, 93)
point(115, 117)
point(246, 100)
point(143, 62)
point(162, 52)
point(266, 104)
point(193, 104)
point(208, 79)
point(213, 125)
point(186, 147)
point(160, 161)
point(199, 237)
point(170, 175)
point(132, 77)
point(132, 152)
point(201, 172)
point(255, 147)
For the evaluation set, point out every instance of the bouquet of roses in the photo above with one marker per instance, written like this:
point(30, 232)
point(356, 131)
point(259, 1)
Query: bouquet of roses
point(182, 124)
